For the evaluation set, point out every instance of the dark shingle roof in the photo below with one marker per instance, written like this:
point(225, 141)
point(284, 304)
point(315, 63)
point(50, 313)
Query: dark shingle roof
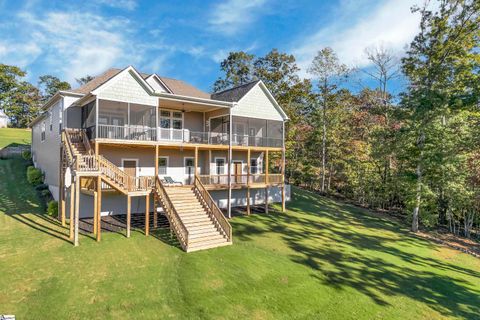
point(234, 94)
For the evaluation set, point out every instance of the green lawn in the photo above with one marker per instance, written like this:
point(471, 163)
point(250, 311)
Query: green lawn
point(320, 260)
point(14, 137)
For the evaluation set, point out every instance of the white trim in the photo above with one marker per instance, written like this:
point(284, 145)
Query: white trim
point(154, 75)
point(134, 73)
point(269, 96)
point(123, 101)
point(130, 159)
point(166, 167)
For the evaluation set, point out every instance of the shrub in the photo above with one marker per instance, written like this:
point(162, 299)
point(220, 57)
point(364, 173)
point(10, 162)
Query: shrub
point(52, 208)
point(27, 155)
point(41, 187)
point(34, 175)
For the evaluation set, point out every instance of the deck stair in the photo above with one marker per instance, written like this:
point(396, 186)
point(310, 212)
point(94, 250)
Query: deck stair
point(192, 219)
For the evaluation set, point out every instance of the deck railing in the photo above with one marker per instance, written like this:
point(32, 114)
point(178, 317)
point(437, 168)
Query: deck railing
point(145, 133)
point(240, 179)
point(213, 210)
point(173, 217)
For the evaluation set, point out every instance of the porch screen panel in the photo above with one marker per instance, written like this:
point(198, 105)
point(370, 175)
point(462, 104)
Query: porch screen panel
point(112, 119)
point(142, 122)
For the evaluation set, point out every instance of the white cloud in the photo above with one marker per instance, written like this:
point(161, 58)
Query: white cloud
point(390, 23)
point(231, 16)
point(76, 44)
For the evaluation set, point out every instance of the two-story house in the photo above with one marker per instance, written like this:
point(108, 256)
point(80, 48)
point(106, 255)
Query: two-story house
point(132, 143)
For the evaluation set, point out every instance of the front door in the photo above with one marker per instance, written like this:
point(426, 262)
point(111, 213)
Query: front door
point(238, 172)
point(130, 167)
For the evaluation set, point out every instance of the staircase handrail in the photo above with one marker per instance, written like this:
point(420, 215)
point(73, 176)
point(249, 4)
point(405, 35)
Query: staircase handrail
point(72, 158)
point(217, 214)
point(86, 142)
point(173, 217)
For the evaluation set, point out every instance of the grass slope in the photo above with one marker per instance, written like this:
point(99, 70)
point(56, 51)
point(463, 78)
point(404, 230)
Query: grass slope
point(14, 137)
point(320, 260)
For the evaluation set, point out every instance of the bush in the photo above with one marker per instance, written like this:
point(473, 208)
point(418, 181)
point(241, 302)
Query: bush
point(34, 175)
point(41, 187)
point(27, 155)
point(46, 194)
point(52, 208)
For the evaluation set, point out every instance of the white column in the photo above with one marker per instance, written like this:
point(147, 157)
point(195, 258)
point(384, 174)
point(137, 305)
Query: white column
point(229, 166)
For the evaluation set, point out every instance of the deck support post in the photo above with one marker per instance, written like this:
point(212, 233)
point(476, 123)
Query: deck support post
point(195, 171)
point(266, 181)
point(77, 213)
point(283, 180)
point(155, 212)
point(99, 208)
point(129, 214)
point(72, 208)
point(97, 147)
point(95, 211)
point(61, 189)
point(229, 200)
point(248, 181)
point(209, 162)
point(147, 214)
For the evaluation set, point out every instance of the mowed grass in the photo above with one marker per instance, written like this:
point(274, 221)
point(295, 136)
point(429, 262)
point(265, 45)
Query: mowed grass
point(14, 137)
point(320, 260)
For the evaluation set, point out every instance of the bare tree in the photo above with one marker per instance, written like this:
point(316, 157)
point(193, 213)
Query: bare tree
point(385, 68)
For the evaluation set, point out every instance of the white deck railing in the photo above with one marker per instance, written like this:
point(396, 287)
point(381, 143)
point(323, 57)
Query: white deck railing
point(143, 133)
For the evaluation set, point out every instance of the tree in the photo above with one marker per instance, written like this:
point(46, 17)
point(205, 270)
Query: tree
point(238, 69)
point(19, 99)
point(81, 81)
point(50, 85)
point(442, 66)
point(329, 73)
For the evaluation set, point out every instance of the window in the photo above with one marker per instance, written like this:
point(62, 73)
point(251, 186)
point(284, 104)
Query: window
point(60, 116)
point(43, 131)
point(253, 166)
point(51, 120)
point(162, 165)
point(189, 164)
point(220, 165)
point(171, 119)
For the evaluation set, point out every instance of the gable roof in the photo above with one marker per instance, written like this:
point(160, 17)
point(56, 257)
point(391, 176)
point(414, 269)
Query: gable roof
point(236, 93)
point(175, 86)
point(182, 88)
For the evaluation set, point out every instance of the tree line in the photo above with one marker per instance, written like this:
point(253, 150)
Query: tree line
point(21, 100)
point(418, 152)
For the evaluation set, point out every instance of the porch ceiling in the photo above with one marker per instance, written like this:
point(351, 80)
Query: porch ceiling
point(187, 106)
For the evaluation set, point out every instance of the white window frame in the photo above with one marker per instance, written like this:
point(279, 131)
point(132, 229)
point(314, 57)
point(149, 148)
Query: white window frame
point(166, 166)
point(251, 167)
point(50, 118)
point(224, 165)
point(171, 117)
point(43, 129)
point(136, 165)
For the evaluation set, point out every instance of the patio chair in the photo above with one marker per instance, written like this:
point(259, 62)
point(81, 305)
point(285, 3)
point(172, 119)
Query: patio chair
point(170, 181)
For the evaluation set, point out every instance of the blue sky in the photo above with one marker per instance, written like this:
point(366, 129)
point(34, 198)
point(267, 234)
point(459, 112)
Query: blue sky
point(188, 39)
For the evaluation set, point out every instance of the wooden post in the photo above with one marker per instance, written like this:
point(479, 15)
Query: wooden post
point(156, 161)
point(99, 208)
point(196, 162)
point(283, 180)
point(209, 161)
point(129, 214)
point(95, 212)
point(248, 181)
point(77, 213)
point(97, 147)
point(155, 213)
point(61, 190)
point(266, 181)
point(72, 207)
point(147, 214)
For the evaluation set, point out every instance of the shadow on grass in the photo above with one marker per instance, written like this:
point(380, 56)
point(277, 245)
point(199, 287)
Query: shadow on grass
point(362, 253)
point(19, 200)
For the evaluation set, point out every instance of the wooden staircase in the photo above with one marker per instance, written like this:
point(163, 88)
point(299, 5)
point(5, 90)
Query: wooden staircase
point(195, 222)
point(192, 214)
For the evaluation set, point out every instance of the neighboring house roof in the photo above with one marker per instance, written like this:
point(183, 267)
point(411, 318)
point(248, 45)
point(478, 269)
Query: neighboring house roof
point(236, 93)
